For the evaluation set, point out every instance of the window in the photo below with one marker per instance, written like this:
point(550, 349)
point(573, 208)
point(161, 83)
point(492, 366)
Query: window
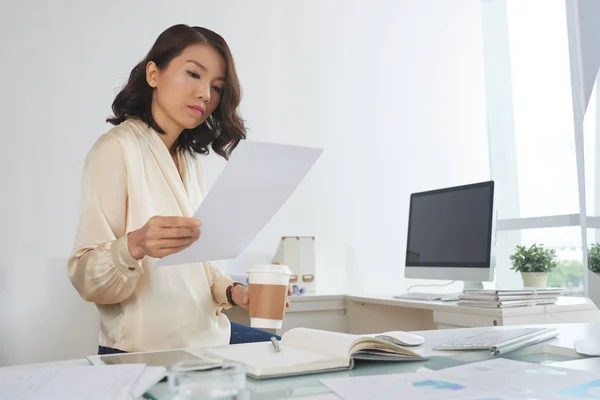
point(590, 132)
point(543, 113)
point(532, 139)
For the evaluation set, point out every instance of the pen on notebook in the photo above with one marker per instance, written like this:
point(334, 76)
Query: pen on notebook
point(275, 344)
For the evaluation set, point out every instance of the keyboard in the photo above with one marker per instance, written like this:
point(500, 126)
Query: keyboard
point(428, 296)
point(495, 338)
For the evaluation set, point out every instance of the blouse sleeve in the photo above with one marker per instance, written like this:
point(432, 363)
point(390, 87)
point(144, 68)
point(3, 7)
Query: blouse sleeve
point(219, 283)
point(101, 267)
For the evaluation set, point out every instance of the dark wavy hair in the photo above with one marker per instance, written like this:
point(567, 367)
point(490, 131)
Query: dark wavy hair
point(223, 130)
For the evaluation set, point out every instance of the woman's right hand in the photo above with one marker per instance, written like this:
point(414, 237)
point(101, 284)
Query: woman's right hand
point(161, 236)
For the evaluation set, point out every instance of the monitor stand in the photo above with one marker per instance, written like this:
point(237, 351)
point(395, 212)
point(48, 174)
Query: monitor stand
point(472, 285)
point(467, 285)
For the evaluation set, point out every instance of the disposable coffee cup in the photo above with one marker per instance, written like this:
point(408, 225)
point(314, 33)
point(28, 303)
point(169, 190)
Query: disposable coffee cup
point(268, 288)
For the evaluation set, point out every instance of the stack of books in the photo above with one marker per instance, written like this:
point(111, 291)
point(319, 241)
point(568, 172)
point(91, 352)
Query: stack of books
point(509, 298)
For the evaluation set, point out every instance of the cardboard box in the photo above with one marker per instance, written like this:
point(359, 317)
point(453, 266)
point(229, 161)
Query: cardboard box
point(298, 253)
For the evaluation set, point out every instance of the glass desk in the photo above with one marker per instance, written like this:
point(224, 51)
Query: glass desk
point(557, 352)
point(301, 386)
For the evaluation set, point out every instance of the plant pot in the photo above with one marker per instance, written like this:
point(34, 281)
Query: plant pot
point(595, 268)
point(534, 279)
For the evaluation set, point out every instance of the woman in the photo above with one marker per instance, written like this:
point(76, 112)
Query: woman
point(142, 182)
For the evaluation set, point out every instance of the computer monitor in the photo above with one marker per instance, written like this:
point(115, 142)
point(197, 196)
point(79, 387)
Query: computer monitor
point(451, 234)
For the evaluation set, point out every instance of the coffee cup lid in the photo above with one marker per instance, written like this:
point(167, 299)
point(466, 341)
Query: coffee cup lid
point(271, 269)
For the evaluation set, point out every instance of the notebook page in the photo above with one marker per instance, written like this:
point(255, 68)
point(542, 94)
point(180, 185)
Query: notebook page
point(335, 344)
point(81, 382)
point(263, 357)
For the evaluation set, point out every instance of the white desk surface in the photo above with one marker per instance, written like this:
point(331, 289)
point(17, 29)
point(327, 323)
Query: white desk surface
point(564, 304)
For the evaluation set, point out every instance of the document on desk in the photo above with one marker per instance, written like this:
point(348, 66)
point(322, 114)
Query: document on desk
point(423, 386)
point(257, 180)
point(498, 379)
point(116, 382)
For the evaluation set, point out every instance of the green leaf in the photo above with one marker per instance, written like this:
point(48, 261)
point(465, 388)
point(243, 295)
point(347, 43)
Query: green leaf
point(534, 258)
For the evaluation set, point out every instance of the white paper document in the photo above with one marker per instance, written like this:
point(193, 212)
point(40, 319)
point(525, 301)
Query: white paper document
point(256, 182)
point(117, 382)
point(422, 386)
point(498, 379)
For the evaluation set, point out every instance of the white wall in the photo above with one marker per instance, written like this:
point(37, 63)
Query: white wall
point(392, 90)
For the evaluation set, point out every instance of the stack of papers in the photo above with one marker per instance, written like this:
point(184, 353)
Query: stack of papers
point(115, 382)
point(509, 298)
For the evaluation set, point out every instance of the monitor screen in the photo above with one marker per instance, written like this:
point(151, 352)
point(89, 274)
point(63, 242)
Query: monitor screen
point(451, 227)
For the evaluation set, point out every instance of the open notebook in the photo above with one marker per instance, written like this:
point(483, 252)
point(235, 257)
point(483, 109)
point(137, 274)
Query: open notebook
point(306, 351)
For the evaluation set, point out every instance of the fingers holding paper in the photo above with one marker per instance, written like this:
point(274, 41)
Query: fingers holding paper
point(161, 236)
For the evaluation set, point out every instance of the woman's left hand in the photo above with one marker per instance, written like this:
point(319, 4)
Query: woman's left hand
point(241, 297)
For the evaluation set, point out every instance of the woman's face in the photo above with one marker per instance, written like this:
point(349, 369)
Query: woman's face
point(189, 89)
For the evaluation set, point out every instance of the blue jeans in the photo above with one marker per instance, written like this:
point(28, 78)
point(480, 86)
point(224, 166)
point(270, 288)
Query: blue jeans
point(244, 334)
point(239, 334)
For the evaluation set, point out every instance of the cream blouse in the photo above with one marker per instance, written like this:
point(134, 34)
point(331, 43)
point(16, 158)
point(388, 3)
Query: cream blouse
point(129, 176)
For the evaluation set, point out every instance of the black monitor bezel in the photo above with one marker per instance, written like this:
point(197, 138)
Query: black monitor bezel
point(487, 264)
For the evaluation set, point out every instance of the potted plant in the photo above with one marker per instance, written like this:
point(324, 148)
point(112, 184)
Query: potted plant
point(594, 258)
point(534, 263)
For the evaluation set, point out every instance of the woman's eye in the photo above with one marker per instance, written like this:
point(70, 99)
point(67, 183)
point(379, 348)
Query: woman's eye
point(218, 89)
point(193, 75)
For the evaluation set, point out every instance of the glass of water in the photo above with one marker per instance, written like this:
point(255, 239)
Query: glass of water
point(194, 380)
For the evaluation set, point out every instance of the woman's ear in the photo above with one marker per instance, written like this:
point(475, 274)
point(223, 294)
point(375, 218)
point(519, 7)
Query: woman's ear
point(152, 74)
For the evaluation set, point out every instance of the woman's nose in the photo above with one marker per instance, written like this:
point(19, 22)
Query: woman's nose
point(203, 92)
